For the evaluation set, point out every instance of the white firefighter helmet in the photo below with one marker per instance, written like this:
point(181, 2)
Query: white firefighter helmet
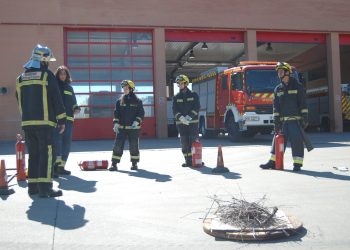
point(40, 53)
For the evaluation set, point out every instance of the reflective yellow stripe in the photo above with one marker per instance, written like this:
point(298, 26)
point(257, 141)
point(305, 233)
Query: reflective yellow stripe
point(298, 160)
point(304, 111)
point(293, 91)
point(37, 123)
point(18, 88)
point(116, 157)
point(190, 99)
point(37, 180)
point(61, 116)
point(69, 118)
point(280, 93)
point(276, 114)
point(179, 100)
point(67, 92)
point(45, 105)
point(115, 119)
point(137, 157)
point(194, 112)
point(33, 82)
point(49, 161)
point(273, 158)
point(130, 127)
point(187, 154)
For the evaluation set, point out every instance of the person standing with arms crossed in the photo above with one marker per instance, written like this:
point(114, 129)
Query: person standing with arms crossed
point(185, 108)
point(63, 141)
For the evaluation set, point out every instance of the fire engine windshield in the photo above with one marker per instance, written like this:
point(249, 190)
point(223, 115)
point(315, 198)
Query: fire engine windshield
point(261, 80)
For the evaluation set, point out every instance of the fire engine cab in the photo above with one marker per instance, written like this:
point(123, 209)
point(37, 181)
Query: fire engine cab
point(237, 100)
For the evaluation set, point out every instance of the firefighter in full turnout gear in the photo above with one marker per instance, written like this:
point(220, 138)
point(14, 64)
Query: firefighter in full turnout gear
point(185, 108)
point(128, 116)
point(41, 108)
point(63, 141)
point(290, 115)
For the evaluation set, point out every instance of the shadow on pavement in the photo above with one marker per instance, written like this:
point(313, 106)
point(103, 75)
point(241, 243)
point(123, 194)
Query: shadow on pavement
point(228, 175)
point(297, 237)
point(141, 173)
point(328, 175)
point(57, 214)
point(71, 182)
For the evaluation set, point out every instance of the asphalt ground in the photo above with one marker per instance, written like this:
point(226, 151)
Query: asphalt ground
point(162, 205)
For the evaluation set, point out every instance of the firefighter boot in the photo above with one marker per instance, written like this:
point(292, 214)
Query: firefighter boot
point(269, 165)
point(62, 171)
point(113, 167)
point(296, 167)
point(46, 191)
point(134, 166)
point(33, 188)
point(188, 163)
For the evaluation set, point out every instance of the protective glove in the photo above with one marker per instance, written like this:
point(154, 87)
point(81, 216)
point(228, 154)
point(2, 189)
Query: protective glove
point(62, 128)
point(188, 118)
point(183, 120)
point(116, 127)
point(135, 124)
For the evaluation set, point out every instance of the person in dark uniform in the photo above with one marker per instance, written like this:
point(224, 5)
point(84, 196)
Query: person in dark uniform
point(128, 116)
point(41, 108)
point(290, 115)
point(63, 141)
point(185, 108)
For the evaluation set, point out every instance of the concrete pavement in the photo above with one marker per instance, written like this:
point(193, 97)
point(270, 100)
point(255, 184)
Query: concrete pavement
point(162, 205)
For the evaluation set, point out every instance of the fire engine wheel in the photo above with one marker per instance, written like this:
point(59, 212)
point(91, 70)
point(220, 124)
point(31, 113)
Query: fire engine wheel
point(233, 130)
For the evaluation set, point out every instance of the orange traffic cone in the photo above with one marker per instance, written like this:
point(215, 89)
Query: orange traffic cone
point(220, 168)
point(4, 190)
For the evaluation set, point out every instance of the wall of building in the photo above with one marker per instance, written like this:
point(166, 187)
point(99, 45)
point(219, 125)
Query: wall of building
point(16, 43)
point(308, 15)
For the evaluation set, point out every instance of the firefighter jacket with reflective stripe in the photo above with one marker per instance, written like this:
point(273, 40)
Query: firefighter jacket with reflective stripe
point(128, 108)
point(39, 100)
point(186, 103)
point(68, 98)
point(290, 101)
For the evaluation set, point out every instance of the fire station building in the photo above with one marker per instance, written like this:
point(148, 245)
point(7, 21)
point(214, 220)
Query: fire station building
point(151, 42)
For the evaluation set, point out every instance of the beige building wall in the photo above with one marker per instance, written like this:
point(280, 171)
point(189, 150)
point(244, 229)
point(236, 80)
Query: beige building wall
point(23, 24)
point(16, 43)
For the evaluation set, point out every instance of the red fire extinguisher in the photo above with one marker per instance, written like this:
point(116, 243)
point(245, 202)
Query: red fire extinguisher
point(197, 154)
point(93, 165)
point(20, 159)
point(279, 150)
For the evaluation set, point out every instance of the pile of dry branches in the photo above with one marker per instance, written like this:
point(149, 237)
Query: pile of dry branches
point(246, 215)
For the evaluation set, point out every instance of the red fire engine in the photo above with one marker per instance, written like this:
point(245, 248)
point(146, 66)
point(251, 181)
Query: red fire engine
point(237, 100)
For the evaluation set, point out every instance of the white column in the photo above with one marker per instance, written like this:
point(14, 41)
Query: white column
point(334, 82)
point(250, 45)
point(160, 83)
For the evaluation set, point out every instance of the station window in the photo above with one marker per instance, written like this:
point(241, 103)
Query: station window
point(99, 60)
